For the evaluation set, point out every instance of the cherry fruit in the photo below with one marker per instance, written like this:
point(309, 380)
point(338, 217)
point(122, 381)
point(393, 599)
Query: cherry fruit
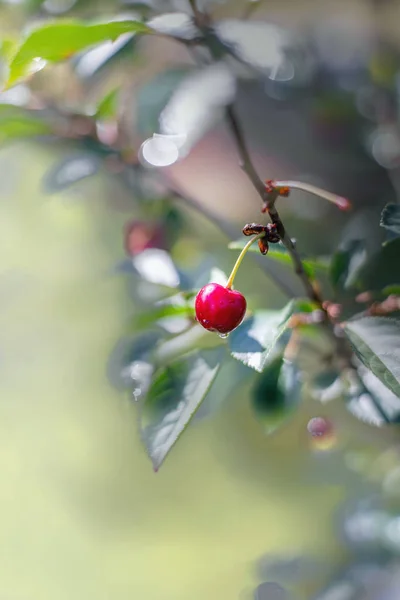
point(219, 308)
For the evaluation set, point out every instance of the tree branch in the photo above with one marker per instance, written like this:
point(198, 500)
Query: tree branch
point(231, 232)
point(268, 198)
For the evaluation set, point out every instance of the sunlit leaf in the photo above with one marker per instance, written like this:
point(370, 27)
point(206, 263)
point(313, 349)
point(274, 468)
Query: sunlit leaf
point(347, 263)
point(156, 266)
point(217, 276)
point(376, 341)
point(261, 45)
point(60, 40)
point(371, 401)
point(178, 25)
point(279, 253)
point(276, 393)
point(69, 171)
point(144, 319)
point(256, 340)
point(8, 47)
point(194, 107)
point(104, 55)
point(155, 95)
point(174, 396)
point(108, 106)
point(390, 218)
point(89, 63)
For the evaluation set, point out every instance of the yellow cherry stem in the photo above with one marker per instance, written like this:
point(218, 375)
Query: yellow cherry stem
point(240, 258)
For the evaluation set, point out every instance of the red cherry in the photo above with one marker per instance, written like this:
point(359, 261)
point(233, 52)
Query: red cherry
point(219, 308)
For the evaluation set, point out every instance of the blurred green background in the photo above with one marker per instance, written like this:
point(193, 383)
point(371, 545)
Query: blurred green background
point(82, 515)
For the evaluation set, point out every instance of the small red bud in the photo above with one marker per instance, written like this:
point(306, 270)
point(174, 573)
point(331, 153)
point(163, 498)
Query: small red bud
point(343, 203)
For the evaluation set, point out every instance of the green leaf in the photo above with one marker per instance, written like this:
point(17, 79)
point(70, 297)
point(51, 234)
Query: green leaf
point(371, 401)
point(156, 266)
point(376, 341)
point(153, 97)
point(62, 39)
point(8, 47)
point(15, 123)
point(231, 378)
point(88, 64)
point(174, 396)
point(143, 320)
point(177, 25)
point(347, 263)
point(390, 290)
point(108, 106)
point(257, 340)
point(390, 218)
point(263, 46)
point(327, 385)
point(130, 363)
point(382, 269)
point(279, 253)
point(69, 171)
point(193, 109)
point(277, 393)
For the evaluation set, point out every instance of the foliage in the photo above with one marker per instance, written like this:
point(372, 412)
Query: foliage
point(173, 374)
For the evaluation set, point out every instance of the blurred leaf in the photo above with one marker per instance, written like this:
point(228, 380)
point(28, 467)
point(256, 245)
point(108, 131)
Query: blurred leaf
point(193, 109)
point(178, 25)
point(130, 363)
point(156, 266)
point(346, 263)
point(327, 386)
point(276, 393)
point(376, 341)
point(153, 97)
point(145, 319)
point(390, 218)
point(16, 123)
point(292, 568)
point(341, 590)
point(231, 377)
point(62, 39)
point(258, 44)
point(382, 269)
point(8, 47)
point(255, 340)
point(143, 7)
point(278, 252)
point(69, 171)
point(270, 590)
point(89, 63)
point(371, 401)
point(391, 289)
point(174, 396)
point(218, 276)
point(108, 106)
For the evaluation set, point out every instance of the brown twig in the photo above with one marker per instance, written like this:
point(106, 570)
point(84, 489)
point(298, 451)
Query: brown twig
point(268, 199)
point(230, 231)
